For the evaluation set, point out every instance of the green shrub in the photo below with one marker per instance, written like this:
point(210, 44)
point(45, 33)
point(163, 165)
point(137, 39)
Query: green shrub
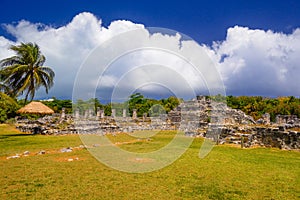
point(8, 107)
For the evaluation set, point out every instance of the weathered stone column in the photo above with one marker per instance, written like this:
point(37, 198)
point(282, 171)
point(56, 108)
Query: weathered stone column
point(113, 113)
point(102, 114)
point(63, 114)
point(98, 113)
point(86, 114)
point(266, 118)
point(77, 114)
point(144, 116)
point(134, 114)
point(91, 113)
point(124, 113)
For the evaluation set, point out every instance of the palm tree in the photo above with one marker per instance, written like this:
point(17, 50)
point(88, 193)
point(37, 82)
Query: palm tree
point(24, 72)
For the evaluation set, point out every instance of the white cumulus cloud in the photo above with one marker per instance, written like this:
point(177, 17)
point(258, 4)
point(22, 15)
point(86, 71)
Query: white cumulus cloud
point(250, 62)
point(65, 47)
point(258, 62)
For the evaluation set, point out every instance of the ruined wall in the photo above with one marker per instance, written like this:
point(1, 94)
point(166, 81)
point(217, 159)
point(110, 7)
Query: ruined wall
point(198, 113)
point(198, 117)
point(252, 136)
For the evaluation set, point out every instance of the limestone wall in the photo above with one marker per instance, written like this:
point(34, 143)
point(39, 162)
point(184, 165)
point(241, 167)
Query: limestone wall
point(251, 136)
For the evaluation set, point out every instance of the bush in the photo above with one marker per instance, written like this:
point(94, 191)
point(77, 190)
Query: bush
point(8, 107)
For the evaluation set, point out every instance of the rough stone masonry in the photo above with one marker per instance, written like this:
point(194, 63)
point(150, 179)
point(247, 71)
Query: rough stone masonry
point(199, 117)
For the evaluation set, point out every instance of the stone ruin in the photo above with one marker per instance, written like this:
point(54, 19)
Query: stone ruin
point(287, 119)
point(199, 117)
point(214, 120)
point(200, 112)
point(249, 136)
point(50, 124)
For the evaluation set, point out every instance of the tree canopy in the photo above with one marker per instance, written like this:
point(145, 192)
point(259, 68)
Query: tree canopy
point(24, 72)
point(256, 106)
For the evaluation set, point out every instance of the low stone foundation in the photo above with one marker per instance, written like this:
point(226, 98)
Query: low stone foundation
point(251, 136)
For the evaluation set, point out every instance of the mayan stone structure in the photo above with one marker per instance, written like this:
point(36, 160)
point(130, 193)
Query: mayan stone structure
point(198, 113)
point(199, 117)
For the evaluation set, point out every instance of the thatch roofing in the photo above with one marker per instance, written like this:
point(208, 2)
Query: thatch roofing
point(35, 108)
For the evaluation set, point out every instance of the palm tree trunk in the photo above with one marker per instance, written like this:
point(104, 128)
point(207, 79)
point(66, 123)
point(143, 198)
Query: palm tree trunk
point(26, 97)
point(31, 87)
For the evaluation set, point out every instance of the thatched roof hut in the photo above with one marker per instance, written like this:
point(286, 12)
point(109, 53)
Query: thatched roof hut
point(35, 108)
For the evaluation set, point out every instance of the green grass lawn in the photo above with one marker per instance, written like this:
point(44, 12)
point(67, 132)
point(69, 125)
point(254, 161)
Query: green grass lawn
point(226, 173)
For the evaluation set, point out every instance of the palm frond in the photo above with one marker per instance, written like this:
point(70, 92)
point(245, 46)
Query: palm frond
point(25, 72)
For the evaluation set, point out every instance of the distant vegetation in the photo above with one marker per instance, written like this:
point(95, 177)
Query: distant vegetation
point(144, 105)
point(254, 106)
point(57, 105)
point(136, 101)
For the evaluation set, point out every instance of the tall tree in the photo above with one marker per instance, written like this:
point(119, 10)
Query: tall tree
point(24, 72)
point(137, 101)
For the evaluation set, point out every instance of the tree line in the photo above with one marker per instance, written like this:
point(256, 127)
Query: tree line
point(256, 106)
point(142, 105)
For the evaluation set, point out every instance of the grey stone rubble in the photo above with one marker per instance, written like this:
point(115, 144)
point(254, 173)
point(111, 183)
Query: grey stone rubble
point(41, 152)
point(72, 159)
point(199, 117)
point(53, 124)
point(66, 150)
point(12, 157)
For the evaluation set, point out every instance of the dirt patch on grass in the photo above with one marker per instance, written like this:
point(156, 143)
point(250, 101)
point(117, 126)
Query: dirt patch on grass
point(68, 159)
point(130, 142)
point(142, 160)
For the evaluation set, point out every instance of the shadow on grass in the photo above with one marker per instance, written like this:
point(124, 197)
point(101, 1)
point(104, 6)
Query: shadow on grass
point(21, 134)
point(16, 135)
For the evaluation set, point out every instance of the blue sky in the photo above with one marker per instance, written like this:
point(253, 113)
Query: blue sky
point(254, 45)
point(204, 21)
